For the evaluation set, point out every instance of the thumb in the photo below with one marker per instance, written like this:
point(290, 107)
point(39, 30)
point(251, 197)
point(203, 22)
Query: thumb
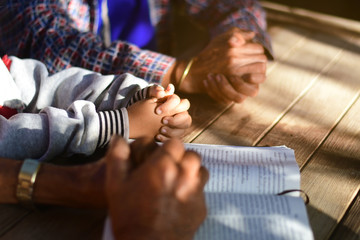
point(248, 35)
point(239, 38)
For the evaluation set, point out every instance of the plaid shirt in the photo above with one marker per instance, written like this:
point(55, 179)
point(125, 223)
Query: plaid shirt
point(62, 33)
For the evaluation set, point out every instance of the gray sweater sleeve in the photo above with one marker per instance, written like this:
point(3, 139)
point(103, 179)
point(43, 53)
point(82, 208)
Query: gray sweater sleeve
point(74, 111)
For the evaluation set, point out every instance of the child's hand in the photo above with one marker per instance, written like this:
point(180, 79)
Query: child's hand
point(176, 117)
point(143, 122)
point(172, 120)
point(157, 91)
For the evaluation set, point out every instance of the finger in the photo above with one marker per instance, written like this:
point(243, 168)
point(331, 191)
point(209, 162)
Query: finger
point(172, 132)
point(164, 163)
point(238, 59)
point(210, 91)
point(117, 163)
point(228, 90)
point(180, 120)
point(213, 91)
point(245, 88)
point(257, 67)
point(189, 175)
point(254, 78)
point(174, 148)
point(252, 48)
point(239, 38)
point(156, 91)
point(170, 103)
point(140, 149)
point(248, 35)
point(204, 176)
point(183, 106)
point(162, 169)
point(170, 90)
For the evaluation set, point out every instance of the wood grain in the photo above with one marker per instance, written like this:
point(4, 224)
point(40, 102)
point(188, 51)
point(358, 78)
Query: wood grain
point(311, 119)
point(349, 227)
point(10, 215)
point(332, 176)
point(59, 223)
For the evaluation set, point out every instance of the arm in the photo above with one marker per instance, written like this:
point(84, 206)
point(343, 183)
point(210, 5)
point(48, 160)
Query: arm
point(233, 64)
point(54, 132)
point(81, 186)
point(50, 35)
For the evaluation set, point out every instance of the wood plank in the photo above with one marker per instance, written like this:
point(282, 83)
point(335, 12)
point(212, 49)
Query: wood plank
point(10, 215)
point(349, 227)
point(308, 17)
point(322, 104)
point(307, 126)
point(292, 77)
point(332, 176)
point(59, 223)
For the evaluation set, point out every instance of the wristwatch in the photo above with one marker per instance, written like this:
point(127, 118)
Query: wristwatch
point(26, 181)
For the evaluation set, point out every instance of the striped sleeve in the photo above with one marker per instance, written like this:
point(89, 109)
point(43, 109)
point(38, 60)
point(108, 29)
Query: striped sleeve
point(113, 122)
point(139, 95)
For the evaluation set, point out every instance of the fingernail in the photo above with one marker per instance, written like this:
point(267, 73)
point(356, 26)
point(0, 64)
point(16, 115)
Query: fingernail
point(163, 130)
point(234, 39)
point(205, 83)
point(158, 111)
point(218, 78)
point(210, 76)
point(158, 137)
point(165, 121)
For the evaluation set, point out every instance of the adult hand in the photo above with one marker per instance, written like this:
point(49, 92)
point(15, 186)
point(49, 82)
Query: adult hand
point(230, 68)
point(161, 199)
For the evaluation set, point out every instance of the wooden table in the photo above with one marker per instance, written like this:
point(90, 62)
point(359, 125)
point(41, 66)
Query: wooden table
point(310, 102)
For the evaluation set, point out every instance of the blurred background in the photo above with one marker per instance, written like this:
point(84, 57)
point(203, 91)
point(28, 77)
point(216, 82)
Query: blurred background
point(343, 8)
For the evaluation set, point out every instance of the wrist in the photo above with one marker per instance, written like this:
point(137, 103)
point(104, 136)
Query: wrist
point(112, 122)
point(9, 170)
point(72, 186)
point(186, 78)
point(26, 181)
point(185, 73)
point(174, 74)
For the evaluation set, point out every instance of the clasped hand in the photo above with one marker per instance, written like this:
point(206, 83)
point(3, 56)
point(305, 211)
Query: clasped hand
point(164, 115)
point(158, 194)
point(229, 69)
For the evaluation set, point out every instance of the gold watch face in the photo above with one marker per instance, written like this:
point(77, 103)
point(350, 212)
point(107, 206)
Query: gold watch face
point(26, 180)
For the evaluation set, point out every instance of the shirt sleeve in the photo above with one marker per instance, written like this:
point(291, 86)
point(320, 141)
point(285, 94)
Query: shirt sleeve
point(45, 31)
point(219, 16)
point(70, 112)
point(56, 132)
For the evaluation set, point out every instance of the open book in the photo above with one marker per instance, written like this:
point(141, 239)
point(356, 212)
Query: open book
point(241, 194)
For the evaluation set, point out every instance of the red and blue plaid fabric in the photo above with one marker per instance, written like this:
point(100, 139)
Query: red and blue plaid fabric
point(62, 33)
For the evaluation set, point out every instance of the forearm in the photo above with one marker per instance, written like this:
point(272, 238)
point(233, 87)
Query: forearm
point(174, 74)
point(76, 186)
point(51, 133)
point(9, 170)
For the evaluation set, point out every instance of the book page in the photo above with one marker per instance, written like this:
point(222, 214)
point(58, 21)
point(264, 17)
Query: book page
point(254, 216)
point(263, 170)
